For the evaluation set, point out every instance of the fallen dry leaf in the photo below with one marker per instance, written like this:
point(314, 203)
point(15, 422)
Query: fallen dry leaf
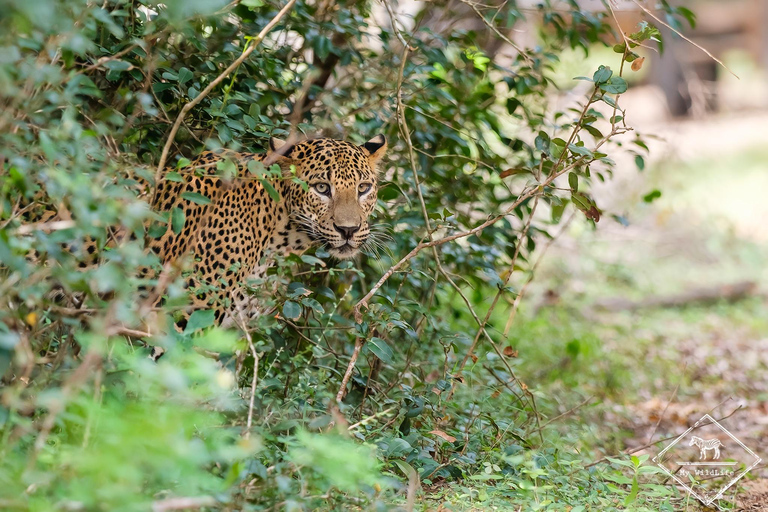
point(440, 433)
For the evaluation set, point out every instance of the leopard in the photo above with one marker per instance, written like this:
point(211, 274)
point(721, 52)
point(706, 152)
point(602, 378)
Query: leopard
point(324, 196)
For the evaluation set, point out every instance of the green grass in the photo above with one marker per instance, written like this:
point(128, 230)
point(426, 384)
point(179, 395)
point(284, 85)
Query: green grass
point(636, 366)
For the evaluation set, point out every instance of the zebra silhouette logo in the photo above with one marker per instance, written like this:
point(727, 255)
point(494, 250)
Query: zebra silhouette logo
point(695, 463)
point(705, 445)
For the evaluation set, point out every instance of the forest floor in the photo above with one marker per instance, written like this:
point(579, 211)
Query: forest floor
point(648, 373)
point(707, 232)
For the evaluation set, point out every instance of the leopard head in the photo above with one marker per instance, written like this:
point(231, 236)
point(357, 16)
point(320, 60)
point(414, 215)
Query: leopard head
point(333, 204)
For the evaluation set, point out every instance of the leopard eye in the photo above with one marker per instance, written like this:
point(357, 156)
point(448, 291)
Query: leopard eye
point(322, 188)
point(363, 188)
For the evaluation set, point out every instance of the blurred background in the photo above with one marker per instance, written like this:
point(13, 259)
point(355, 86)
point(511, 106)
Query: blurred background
point(678, 287)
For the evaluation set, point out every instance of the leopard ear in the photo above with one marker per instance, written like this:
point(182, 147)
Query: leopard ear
point(376, 147)
point(279, 146)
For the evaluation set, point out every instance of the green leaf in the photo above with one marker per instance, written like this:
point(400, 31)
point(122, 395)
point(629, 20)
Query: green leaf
point(200, 319)
point(581, 202)
point(256, 167)
point(640, 162)
point(609, 101)
point(380, 348)
point(117, 65)
point(406, 468)
point(542, 142)
point(291, 310)
point(185, 75)
point(312, 260)
point(593, 131)
point(314, 305)
point(616, 85)
point(689, 15)
point(173, 176)
point(632, 493)
point(580, 150)
point(652, 196)
point(226, 168)
point(195, 197)
point(8, 338)
point(303, 184)
point(322, 47)
point(270, 189)
point(602, 75)
point(415, 407)
point(177, 220)
point(573, 181)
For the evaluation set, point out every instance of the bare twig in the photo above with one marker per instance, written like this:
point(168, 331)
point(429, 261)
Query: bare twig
point(109, 58)
point(566, 413)
point(500, 291)
point(56, 225)
point(495, 30)
point(350, 369)
point(244, 327)
point(649, 13)
point(524, 288)
point(70, 386)
point(661, 416)
point(370, 418)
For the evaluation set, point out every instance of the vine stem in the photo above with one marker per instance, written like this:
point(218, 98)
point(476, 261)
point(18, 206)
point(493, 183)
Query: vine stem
point(254, 43)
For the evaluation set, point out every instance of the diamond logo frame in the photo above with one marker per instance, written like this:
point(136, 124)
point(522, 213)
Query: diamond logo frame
point(709, 453)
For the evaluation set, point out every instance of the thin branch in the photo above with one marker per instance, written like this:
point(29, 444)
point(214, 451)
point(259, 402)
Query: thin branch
point(350, 369)
point(189, 106)
point(524, 288)
point(109, 58)
point(649, 13)
point(56, 225)
point(370, 418)
point(493, 27)
point(566, 413)
point(500, 291)
point(669, 402)
point(525, 195)
point(242, 324)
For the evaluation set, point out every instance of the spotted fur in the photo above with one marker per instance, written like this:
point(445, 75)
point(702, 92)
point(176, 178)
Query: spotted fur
point(231, 235)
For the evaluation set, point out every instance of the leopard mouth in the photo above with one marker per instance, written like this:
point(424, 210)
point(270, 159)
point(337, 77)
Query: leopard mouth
point(344, 251)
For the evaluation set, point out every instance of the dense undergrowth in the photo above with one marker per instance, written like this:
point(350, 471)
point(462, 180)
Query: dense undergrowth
point(247, 418)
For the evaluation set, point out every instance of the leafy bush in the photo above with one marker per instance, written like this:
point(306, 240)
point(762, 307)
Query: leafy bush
point(483, 167)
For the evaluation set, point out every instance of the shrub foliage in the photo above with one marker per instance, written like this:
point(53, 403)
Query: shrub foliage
point(484, 164)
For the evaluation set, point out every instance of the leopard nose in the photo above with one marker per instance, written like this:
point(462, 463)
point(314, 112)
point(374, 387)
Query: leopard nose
point(347, 231)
